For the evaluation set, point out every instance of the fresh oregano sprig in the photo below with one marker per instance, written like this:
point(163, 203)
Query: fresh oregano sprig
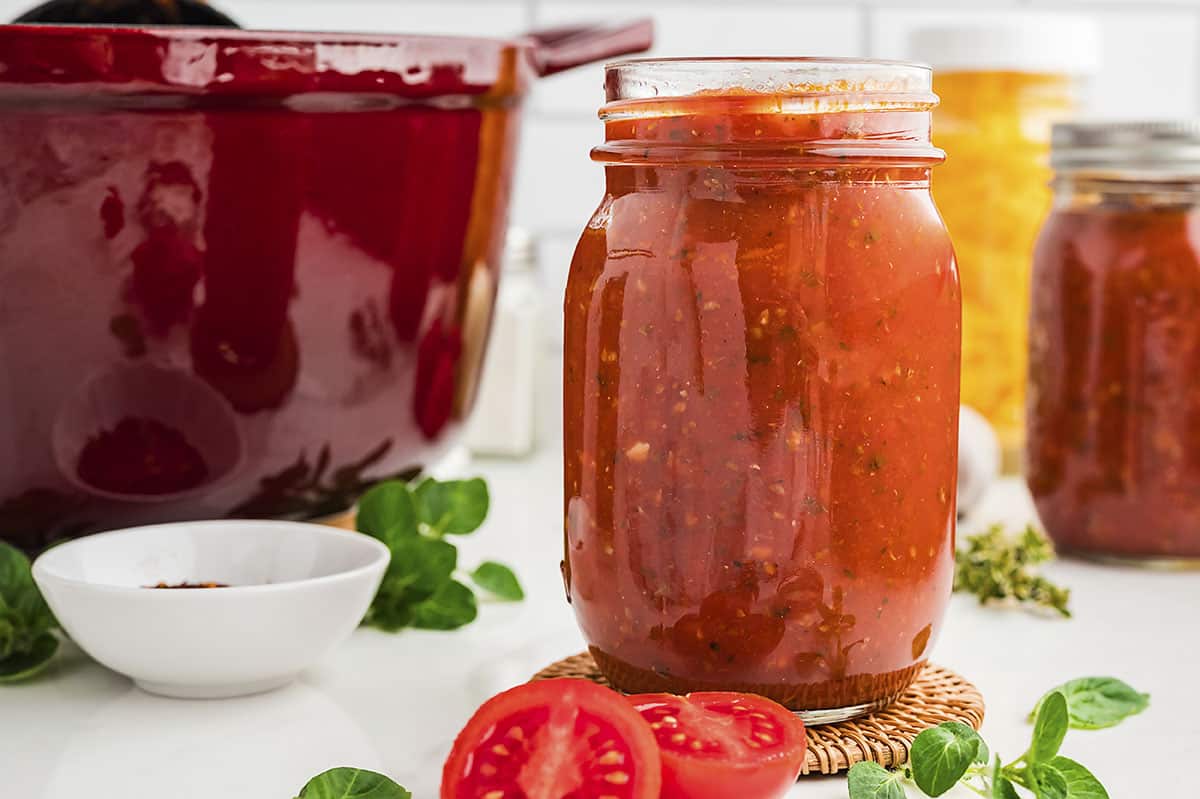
point(1094, 703)
point(422, 586)
point(953, 753)
point(352, 783)
point(27, 639)
point(995, 566)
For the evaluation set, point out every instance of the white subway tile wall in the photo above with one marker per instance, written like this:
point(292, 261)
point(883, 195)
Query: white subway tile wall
point(1151, 67)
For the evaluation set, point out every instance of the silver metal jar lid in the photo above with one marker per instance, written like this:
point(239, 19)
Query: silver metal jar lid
point(1150, 150)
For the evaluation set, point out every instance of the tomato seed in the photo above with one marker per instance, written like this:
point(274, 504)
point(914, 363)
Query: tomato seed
point(501, 749)
point(617, 777)
point(516, 733)
point(611, 758)
point(487, 770)
point(494, 795)
point(678, 738)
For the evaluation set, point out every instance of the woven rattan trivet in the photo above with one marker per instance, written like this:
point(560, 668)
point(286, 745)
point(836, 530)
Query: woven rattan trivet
point(884, 736)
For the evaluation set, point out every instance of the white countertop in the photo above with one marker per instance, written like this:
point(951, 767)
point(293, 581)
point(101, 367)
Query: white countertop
point(393, 703)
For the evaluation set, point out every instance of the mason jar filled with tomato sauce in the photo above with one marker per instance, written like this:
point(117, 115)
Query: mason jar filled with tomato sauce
point(1114, 407)
point(761, 384)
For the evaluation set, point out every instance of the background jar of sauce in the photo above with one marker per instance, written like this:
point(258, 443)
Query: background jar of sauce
point(1114, 405)
point(761, 384)
point(1002, 83)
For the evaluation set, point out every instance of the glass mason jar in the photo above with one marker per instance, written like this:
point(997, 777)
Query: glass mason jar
point(1002, 84)
point(761, 384)
point(1114, 406)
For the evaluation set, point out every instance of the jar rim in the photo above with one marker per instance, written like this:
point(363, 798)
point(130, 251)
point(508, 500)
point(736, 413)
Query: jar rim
point(879, 80)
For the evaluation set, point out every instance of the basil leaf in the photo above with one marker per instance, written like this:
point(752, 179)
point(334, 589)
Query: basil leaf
point(23, 665)
point(498, 579)
point(352, 783)
point(450, 608)
point(868, 780)
point(1049, 728)
point(456, 507)
point(1075, 781)
point(1094, 703)
point(941, 756)
point(420, 566)
point(387, 512)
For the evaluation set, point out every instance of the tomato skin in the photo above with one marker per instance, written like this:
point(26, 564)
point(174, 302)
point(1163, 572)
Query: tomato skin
point(555, 738)
point(730, 764)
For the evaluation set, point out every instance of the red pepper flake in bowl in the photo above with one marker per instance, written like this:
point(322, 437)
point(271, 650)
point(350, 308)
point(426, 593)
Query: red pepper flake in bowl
point(189, 585)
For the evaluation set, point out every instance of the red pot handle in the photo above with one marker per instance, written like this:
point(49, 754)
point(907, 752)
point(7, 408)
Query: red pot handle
point(558, 49)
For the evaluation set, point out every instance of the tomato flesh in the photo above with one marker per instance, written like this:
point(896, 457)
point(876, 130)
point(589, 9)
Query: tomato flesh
point(554, 739)
point(724, 745)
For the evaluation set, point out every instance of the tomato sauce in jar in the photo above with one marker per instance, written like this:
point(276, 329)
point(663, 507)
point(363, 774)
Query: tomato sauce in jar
point(761, 384)
point(1114, 411)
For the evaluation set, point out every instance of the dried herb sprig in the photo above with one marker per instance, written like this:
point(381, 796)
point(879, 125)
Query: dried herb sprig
point(998, 567)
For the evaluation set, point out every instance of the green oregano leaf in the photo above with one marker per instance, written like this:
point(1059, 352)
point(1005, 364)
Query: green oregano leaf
point(1094, 703)
point(868, 780)
point(1049, 728)
point(498, 580)
point(1048, 783)
point(450, 608)
point(1063, 778)
point(420, 566)
point(352, 783)
point(941, 756)
point(23, 665)
point(1002, 788)
point(27, 642)
point(387, 512)
point(456, 507)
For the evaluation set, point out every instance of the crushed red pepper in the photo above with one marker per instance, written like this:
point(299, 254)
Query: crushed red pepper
point(189, 585)
point(761, 398)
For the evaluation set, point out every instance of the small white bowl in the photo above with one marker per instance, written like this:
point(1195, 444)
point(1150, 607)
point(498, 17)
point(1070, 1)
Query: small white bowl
point(297, 590)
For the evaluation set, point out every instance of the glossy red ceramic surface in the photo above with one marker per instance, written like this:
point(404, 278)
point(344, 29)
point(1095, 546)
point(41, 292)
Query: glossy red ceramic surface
point(243, 273)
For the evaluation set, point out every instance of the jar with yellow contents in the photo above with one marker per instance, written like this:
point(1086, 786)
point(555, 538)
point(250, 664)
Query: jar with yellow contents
point(1003, 83)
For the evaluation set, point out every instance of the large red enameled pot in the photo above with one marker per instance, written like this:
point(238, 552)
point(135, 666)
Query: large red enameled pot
point(246, 273)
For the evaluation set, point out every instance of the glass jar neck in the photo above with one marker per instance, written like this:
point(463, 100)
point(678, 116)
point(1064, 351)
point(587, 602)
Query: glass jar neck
point(1081, 190)
point(768, 113)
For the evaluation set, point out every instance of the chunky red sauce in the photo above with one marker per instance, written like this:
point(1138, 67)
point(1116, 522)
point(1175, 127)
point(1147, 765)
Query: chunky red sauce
point(761, 399)
point(1114, 416)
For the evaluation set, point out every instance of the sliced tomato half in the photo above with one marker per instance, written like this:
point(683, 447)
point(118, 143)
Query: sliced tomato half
point(554, 739)
point(724, 745)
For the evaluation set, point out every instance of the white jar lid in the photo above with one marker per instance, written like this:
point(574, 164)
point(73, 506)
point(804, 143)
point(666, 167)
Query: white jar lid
point(1064, 44)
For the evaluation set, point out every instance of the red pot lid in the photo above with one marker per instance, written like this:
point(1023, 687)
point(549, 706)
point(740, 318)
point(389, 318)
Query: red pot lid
point(76, 61)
